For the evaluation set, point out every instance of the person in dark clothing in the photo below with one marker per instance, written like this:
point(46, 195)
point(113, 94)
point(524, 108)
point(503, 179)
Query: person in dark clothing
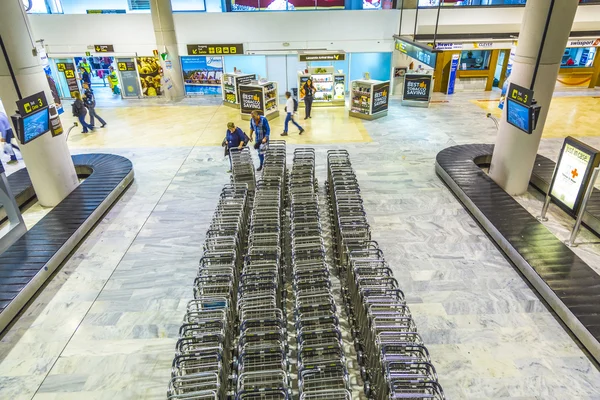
point(309, 90)
point(80, 111)
point(235, 140)
point(85, 76)
point(90, 103)
point(260, 125)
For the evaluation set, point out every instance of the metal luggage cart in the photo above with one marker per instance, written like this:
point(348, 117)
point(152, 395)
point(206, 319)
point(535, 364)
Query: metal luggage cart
point(321, 360)
point(394, 362)
point(202, 364)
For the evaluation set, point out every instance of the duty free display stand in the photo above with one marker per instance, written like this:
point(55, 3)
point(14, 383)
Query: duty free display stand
point(331, 87)
point(262, 97)
point(369, 99)
point(230, 86)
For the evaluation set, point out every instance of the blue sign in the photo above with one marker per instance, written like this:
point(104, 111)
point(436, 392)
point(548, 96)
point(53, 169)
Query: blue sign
point(452, 77)
point(518, 115)
point(106, 11)
point(427, 57)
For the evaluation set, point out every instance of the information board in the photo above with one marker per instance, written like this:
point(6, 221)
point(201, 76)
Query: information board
point(520, 112)
point(32, 104)
point(322, 57)
point(573, 172)
point(417, 51)
point(214, 49)
point(417, 87)
point(104, 48)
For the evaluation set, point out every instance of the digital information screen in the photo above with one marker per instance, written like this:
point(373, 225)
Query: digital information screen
point(572, 174)
point(519, 115)
point(35, 125)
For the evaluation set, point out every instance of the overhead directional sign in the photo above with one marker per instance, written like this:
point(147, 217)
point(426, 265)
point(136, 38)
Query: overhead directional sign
point(416, 50)
point(104, 48)
point(214, 49)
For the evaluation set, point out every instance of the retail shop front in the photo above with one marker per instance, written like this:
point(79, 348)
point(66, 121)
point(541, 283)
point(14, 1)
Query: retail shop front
point(110, 74)
point(484, 65)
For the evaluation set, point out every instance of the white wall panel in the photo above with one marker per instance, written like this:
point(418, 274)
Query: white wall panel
point(352, 31)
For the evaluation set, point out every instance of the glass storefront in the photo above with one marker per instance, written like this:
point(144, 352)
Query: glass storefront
point(475, 60)
point(578, 57)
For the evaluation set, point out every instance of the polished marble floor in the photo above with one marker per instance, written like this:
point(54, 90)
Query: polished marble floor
point(105, 326)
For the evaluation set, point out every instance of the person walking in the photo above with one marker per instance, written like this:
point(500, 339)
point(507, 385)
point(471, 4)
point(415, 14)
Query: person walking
point(113, 80)
point(235, 140)
point(85, 65)
point(85, 76)
point(309, 90)
point(260, 125)
point(7, 135)
point(80, 112)
point(90, 103)
point(290, 109)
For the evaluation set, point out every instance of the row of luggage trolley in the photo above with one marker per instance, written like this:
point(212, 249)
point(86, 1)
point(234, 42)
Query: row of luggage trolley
point(201, 368)
point(395, 364)
point(263, 367)
point(321, 362)
point(242, 167)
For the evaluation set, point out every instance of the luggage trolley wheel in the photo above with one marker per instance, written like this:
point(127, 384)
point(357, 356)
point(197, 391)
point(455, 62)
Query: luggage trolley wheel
point(363, 374)
point(368, 391)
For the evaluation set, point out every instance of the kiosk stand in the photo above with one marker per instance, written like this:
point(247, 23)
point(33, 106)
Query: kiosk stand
point(331, 87)
point(417, 89)
point(261, 97)
point(231, 87)
point(369, 99)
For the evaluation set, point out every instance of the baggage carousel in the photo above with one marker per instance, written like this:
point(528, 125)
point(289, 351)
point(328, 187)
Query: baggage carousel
point(32, 259)
point(565, 281)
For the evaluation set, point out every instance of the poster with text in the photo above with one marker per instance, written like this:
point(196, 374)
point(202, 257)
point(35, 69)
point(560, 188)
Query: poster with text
point(150, 76)
point(417, 87)
point(290, 5)
point(202, 75)
point(570, 174)
point(381, 97)
point(251, 99)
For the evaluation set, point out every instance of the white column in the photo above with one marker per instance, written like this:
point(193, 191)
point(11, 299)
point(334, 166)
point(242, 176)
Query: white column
point(166, 41)
point(515, 151)
point(47, 158)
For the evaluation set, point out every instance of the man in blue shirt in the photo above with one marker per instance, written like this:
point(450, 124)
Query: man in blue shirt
point(260, 125)
point(235, 139)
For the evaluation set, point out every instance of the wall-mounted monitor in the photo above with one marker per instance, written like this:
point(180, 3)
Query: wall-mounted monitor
point(519, 115)
point(32, 126)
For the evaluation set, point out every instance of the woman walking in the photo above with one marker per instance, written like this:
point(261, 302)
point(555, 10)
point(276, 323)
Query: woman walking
point(80, 112)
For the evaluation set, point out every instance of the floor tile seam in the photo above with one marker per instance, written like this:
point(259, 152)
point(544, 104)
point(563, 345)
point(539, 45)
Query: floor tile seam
point(115, 268)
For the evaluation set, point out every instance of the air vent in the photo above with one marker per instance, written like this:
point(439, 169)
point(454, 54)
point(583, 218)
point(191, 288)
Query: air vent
point(136, 5)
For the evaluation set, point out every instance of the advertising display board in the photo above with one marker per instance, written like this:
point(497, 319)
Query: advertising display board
point(150, 76)
point(573, 172)
point(380, 97)
point(202, 75)
point(251, 99)
point(452, 76)
point(129, 77)
point(417, 87)
point(509, 66)
point(339, 88)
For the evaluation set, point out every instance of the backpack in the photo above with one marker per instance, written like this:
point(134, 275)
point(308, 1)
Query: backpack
point(295, 105)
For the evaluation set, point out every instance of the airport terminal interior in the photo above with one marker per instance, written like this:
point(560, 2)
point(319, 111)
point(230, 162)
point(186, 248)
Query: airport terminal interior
point(384, 251)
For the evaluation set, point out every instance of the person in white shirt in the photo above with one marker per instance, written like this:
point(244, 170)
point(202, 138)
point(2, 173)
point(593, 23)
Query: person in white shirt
point(290, 108)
